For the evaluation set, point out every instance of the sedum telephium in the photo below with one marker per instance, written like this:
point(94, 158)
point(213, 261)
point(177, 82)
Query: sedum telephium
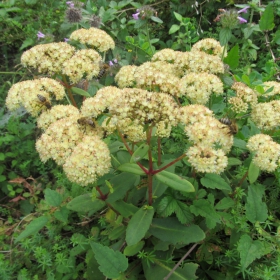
point(146, 102)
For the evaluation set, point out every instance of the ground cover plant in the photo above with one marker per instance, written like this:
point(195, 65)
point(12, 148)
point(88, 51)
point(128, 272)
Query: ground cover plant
point(130, 157)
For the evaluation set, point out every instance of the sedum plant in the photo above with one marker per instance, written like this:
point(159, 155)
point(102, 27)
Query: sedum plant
point(157, 204)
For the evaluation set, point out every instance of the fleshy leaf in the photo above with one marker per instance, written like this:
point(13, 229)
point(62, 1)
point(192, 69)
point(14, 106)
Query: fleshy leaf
point(80, 91)
point(215, 181)
point(140, 153)
point(131, 168)
point(232, 58)
point(139, 225)
point(253, 173)
point(171, 230)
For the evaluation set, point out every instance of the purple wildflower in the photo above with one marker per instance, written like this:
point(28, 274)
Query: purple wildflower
point(40, 35)
point(244, 10)
point(66, 40)
point(136, 16)
point(70, 4)
point(242, 20)
point(115, 60)
point(111, 63)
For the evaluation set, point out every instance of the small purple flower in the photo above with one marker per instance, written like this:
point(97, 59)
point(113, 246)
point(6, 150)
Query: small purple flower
point(136, 16)
point(244, 10)
point(66, 40)
point(70, 4)
point(242, 20)
point(111, 63)
point(115, 60)
point(40, 35)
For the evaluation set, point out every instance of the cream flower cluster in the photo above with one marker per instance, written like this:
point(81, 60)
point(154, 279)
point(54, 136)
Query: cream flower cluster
point(211, 139)
point(125, 77)
point(56, 113)
point(59, 140)
point(82, 63)
point(267, 152)
point(95, 38)
point(199, 86)
point(94, 106)
point(167, 55)
point(245, 96)
point(210, 46)
point(267, 115)
point(47, 58)
point(270, 84)
point(206, 159)
point(89, 160)
point(160, 75)
point(26, 94)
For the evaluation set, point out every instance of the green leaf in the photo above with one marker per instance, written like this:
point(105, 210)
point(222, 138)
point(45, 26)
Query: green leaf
point(253, 173)
point(170, 230)
point(156, 19)
point(2, 178)
point(214, 181)
point(267, 18)
point(238, 143)
point(232, 58)
point(174, 28)
point(121, 184)
point(53, 198)
point(125, 209)
point(26, 43)
point(203, 208)
point(139, 225)
point(133, 249)
point(80, 91)
point(160, 269)
point(131, 168)
point(62, 214)
point(225, 203)
point(249, 250)
point(140, 153)
point(111, 263)
point(277, 37)
point(92, 271)
point(84, 203)
point(178, 16)
point(224, 36)
point(174, 181)
point(33, 227)
point(234, 161)
point(117, 232)
point(256, 210)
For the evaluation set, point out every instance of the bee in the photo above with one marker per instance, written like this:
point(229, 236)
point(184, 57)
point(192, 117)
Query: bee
point(86, 121)
point(231, 124)
point(104, 68)
point(43, 100)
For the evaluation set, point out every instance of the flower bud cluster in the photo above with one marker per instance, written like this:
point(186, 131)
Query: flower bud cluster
point(84, 63)
point(267, 152)
point(210, 138)
point(125, 77)
point(88, 160)
point(266, 115)
point(209, 46)
point(95, 38)
point(245, 96)
point(199, 86)
point(26, 94)
point(47, 58)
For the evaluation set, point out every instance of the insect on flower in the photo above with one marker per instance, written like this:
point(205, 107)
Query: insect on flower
point(86, 121)
point(230, 124)
point(43, 100)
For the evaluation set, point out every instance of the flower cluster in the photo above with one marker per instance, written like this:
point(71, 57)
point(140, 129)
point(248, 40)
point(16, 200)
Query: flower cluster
point(199, 86)
point(210, 138)
point(47, 58)
point(210, 46)
point(82, 63)
point(89, 160)
point(273, 88)
point(267, 115)
point(267, 152)
point(167, 55)
point(56, 113)
point(125, 77)
point(28, 93)
point(95, 38)
point(245, 96)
